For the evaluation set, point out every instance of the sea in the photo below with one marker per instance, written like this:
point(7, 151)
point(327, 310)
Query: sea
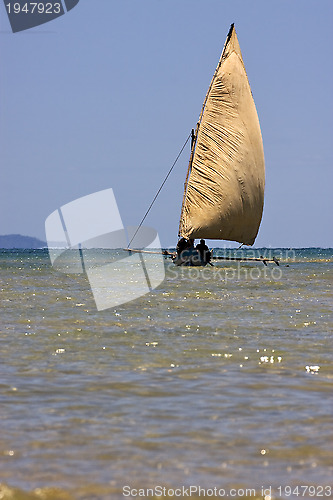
point(218, 383)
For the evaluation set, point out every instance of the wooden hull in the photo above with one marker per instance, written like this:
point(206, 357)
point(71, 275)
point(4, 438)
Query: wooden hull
point(189, 258)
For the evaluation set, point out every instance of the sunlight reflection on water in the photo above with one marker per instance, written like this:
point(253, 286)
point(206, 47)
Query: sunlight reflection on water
point(206, 381)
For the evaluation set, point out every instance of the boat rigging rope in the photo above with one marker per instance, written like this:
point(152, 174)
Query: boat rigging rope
point(160, 188)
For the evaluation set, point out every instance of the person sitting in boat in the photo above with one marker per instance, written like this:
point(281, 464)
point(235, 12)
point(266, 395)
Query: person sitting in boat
point(205, 254)
point(184, 244)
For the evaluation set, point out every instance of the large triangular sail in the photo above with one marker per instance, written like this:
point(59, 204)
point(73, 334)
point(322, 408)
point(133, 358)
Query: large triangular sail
point(224, 189)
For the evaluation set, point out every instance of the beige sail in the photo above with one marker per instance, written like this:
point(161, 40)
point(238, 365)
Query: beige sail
point(224, 194)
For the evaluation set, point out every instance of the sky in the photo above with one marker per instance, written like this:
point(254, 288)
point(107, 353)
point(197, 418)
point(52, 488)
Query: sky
point(106, 95)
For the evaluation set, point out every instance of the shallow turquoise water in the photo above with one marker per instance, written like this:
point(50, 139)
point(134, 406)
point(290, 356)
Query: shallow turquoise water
point(220, 377)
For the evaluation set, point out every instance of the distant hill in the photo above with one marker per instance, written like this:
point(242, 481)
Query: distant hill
point(19, 241)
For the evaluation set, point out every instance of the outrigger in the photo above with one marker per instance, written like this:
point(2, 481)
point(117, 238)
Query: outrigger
point(194, 259)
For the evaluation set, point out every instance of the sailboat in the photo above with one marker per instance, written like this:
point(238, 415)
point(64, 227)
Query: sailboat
point(224, 187)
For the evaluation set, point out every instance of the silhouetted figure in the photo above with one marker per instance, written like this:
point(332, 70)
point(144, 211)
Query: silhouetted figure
point(181, 245)
point(204, 252)
point(184, 244)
